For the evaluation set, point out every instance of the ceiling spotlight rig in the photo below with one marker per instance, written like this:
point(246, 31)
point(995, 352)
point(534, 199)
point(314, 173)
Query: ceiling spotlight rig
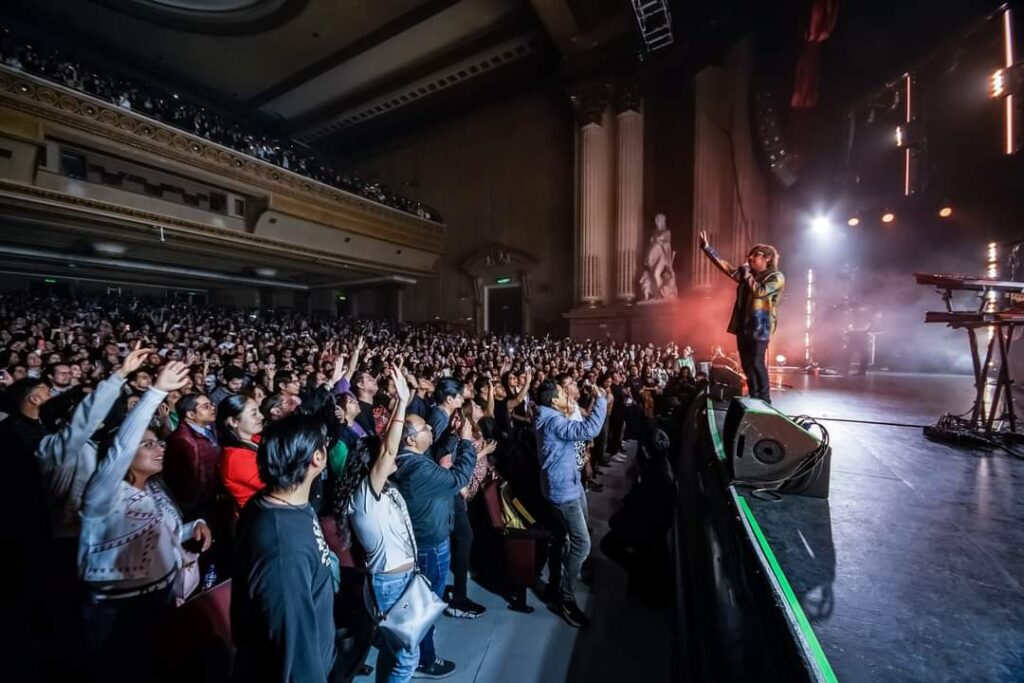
point(655, 22)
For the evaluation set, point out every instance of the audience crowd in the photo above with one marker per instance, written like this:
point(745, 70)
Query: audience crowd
point(318, 462)
point(60, 66)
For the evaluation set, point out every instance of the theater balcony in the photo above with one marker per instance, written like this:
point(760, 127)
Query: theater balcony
point(77, 171)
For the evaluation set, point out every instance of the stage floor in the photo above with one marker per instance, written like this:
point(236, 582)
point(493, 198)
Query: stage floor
point(913, 569)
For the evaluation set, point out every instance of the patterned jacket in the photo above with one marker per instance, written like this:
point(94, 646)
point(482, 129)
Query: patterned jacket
point(754, 313)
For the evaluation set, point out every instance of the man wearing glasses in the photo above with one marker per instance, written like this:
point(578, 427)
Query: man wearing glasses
point(759, 286)
point(190, 462)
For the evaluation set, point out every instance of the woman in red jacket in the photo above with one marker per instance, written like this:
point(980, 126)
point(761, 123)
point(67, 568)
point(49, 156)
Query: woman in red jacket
point(239, 423)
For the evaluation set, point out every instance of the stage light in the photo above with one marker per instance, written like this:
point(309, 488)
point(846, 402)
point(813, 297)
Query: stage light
point(780, 359)
point(998, 83)
point(821, 224)
point(854, 221)
point(888, 217)
point(946, 211)
point(899, 136)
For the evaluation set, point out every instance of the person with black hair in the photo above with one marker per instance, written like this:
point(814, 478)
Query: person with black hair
point(193, 456)
point(58, 376)
point(278, 406)
point(234, 382)
point(282, 591)
point(448, 398)
point(557, 435)
point(239, 425)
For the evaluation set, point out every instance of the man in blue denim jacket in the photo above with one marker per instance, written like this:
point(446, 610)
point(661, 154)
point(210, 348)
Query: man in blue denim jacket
point(560, 482)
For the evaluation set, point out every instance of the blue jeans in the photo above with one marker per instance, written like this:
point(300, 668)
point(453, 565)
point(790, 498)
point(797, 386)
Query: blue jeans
point(392, 666)
point(570, 545)
point(433, 563)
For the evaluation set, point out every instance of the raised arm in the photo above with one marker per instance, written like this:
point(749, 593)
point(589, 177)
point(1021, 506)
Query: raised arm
point(384, 465)
point(353, 362)
point(731, 271)
point(572, 430)
point(489, 410)
point(99, 494)
point(58, 453)
point(523, 391)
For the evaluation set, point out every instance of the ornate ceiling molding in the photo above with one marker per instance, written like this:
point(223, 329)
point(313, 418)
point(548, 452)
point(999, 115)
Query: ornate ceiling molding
point(63, 107)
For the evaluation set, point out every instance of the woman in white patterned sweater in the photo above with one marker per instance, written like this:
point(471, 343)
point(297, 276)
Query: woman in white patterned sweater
point(130, 551)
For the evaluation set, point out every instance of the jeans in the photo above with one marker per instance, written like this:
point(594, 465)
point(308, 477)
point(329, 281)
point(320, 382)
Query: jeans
point(433, 563)
point(570, 546)
point(752, 353)
point(461, 544)
point(393, 667)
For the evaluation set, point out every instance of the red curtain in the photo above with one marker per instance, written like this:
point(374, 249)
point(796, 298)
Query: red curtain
point(808, 67)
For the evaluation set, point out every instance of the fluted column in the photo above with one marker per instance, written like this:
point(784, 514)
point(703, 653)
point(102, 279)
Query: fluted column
point(592, 248)
point(630, 190)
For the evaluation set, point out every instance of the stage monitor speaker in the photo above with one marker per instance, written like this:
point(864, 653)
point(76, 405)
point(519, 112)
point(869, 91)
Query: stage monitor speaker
point(768, 450)
point(724, 383)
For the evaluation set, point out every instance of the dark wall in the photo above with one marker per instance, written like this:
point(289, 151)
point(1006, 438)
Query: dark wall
point(498, 174)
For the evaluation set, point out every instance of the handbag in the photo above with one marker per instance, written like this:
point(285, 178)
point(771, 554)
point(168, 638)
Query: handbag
point(409, 619)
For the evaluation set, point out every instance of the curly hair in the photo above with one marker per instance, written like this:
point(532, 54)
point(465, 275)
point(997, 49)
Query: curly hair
point(356, 468)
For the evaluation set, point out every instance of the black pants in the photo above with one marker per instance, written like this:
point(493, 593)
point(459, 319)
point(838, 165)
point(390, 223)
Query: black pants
point(120, 635)
point(462, 543)
point(752, 358)
point(616, 423)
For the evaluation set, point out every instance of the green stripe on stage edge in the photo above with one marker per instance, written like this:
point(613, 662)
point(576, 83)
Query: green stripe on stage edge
point(818, 654)
point(716, 438)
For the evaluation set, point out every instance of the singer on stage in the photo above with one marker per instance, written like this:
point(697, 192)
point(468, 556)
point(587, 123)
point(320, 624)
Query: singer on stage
point(759, 286)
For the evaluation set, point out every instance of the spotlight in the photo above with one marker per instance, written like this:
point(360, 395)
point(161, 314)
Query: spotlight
point(899, 136)
point(854, 221)
point(946, 211)
point(821, 224)
point(998, 83)
point(780, 359)
point(888, 217)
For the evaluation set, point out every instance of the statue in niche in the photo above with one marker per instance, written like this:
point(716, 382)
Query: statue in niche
point(659, 278)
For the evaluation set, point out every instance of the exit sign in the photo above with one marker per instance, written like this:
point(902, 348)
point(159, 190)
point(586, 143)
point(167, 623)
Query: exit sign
point(502, 280)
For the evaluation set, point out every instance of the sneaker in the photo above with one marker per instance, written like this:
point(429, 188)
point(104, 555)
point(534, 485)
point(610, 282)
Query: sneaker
point(464, 608)
point(573, 615)
point(440, 668)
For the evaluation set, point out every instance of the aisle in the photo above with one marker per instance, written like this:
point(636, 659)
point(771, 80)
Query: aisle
point(626, 641)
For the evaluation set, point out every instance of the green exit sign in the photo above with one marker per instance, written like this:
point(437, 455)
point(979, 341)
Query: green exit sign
point(502, 280)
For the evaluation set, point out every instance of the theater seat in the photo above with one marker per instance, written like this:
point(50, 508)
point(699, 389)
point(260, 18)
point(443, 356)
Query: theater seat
point(519, 547)
point(196, 644)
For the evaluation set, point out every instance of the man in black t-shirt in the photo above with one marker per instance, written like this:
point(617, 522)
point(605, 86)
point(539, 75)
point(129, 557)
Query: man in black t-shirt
point(282, 590)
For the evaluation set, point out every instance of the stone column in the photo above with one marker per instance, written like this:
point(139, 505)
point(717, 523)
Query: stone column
point(593, 218)
point(630, 190)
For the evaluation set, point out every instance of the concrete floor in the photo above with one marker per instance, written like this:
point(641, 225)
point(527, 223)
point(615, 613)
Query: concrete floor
point(626, 640)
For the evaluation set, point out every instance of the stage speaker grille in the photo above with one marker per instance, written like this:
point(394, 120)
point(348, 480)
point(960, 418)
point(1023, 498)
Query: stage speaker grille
point(768, 450)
